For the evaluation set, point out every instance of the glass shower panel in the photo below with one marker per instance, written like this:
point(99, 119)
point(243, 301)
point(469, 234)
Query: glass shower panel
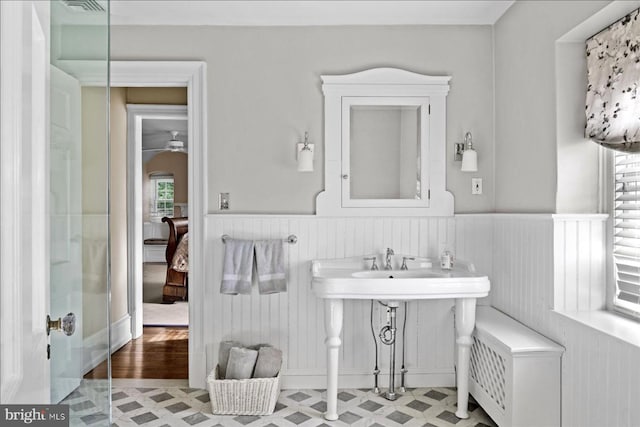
point(79, 208)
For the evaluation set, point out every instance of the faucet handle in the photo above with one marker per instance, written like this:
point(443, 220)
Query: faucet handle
point(374, 266)
point(404, 262)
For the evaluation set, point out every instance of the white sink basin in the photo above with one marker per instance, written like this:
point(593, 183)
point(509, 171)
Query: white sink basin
point(396, 274)
point(352, 278)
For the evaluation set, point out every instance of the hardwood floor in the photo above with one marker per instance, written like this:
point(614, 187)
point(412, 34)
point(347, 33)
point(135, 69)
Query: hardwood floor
point(161, 353)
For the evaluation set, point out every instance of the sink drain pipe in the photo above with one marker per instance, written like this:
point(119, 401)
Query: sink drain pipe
point(376, 371)
point(403, 370)
point(388, 335)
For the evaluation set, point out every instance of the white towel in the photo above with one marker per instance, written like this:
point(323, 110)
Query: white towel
point(238, 267)
point(270, 266)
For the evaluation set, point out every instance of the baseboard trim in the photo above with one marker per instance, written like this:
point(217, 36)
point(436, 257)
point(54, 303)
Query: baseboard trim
point(95, 345)
point(197, 367)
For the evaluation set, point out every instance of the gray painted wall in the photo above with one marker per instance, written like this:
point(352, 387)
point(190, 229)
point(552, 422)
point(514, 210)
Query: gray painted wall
point(578, 180)
point(527, 168)
point(265, 92)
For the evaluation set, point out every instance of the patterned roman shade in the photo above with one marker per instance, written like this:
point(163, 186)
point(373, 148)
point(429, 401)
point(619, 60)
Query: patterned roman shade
point(613, 101)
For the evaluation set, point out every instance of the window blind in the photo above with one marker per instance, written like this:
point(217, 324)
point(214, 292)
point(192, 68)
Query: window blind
point(626, 245)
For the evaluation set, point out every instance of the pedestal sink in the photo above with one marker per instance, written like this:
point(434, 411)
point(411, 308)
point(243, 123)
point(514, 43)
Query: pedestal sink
point(352, 278)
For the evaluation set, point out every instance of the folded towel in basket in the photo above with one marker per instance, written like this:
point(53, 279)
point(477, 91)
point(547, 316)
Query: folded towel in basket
point(238, 266)
point(223, 356)
point(241, 363)
point(268, 363)
point(270, 266)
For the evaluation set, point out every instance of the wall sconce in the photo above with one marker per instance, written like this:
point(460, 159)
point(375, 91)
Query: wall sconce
point(305, 155)
point(464, 151)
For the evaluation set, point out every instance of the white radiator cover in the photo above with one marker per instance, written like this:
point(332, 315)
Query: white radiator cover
point(515, 372)
point(488, 372)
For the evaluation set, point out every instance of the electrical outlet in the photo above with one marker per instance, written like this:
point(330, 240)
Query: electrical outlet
point(223, 201)
point(476, 185)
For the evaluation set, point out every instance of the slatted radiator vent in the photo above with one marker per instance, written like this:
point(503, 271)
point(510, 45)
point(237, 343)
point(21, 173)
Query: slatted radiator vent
point(84, 5)
point(487, 369)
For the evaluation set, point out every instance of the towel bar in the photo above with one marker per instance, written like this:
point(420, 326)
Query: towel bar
point(292, 239)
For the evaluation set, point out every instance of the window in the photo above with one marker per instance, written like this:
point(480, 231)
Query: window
point(626, 240)
point(161, 200)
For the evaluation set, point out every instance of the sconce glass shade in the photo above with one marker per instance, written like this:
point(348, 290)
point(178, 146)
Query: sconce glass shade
point(469, 155)
point(469, 161)
point(305, 160)
point(305, 155)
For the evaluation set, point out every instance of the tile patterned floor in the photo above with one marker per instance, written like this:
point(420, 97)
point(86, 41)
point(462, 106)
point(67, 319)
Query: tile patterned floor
point(173, 406)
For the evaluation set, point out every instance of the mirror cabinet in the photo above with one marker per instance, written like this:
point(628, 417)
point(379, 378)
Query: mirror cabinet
point(385, 144)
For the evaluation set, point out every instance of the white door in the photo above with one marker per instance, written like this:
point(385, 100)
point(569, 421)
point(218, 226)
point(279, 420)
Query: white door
point(66, 235)
point(42, 219)
point(24, 267)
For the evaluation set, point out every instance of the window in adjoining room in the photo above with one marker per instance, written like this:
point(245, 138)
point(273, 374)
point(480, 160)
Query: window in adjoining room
point(626, 241)
point(161, 197)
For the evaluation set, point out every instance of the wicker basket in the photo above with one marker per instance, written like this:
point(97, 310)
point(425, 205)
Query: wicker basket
point(254, 396)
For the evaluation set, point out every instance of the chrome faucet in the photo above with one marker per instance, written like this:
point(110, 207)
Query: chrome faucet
point(404, 262)
point(387, 260)
point(374, 266)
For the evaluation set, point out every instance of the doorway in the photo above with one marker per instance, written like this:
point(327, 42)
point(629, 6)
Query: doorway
point(152, 195)
point(158, 134)
point(189, 75)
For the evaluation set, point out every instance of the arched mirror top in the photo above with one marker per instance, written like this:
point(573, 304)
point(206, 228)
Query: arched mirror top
point(384, 76)
point(385, 144)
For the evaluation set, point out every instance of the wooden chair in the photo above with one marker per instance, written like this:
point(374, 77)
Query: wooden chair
point(175, 287)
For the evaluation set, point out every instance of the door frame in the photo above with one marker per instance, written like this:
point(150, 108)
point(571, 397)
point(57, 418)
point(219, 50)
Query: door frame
point(135, 223)
point(193, 76)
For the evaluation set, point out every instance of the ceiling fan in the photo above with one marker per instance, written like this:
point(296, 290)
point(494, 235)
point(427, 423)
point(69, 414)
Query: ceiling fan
point(174, 145)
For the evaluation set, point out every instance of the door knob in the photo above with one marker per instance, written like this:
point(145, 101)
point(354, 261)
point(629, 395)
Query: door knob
point(67, 324)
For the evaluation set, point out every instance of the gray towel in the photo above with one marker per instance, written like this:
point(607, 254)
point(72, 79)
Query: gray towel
point(270, 266)
point(238, 267)
point(268, 363)
point(223, 356)
point(241, 363)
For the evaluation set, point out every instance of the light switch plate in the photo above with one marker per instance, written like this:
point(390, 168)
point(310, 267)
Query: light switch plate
point(476, 185)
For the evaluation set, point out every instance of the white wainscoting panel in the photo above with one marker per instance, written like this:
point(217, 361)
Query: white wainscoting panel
point(474, 242)
point(522, 278)
point(580, 264)
point(94, 347)
point(536, 262)
point(539, 258)
point(293, 321)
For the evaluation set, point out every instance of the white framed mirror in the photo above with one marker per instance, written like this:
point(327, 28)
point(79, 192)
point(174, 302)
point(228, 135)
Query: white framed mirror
point(382, 149)
point(385, 144)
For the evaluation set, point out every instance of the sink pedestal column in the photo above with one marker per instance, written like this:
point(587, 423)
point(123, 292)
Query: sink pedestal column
point(465, 321)
point(333, 327)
